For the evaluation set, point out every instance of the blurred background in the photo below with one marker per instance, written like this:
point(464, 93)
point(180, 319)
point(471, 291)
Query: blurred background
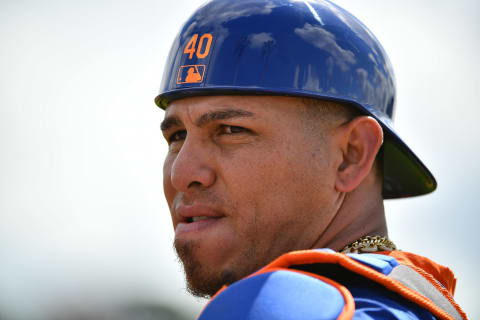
point(85, 232)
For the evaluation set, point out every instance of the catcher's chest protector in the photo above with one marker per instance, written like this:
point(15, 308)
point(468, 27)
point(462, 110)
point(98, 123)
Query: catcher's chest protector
point(323, 284)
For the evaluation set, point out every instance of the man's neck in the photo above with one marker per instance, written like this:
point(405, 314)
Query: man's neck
point(360, 214)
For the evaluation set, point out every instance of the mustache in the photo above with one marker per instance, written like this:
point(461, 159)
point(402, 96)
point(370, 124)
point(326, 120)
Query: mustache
point(206, 197)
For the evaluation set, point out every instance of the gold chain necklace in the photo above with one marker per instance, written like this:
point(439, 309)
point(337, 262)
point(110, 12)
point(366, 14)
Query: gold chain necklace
point(370, 244)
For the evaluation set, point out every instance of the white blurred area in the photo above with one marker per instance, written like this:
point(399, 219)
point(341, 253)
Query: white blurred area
point(84, 225)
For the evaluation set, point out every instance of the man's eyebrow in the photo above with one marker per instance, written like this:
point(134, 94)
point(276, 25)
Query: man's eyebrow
point(205, 118)
point(169, 122)
point(223, 114)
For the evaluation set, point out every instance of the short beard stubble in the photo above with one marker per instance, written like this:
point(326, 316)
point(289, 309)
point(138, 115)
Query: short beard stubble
point(204, 283)
point(200, 282)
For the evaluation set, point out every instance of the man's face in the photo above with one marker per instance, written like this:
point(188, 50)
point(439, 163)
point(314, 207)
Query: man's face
point(246, 180)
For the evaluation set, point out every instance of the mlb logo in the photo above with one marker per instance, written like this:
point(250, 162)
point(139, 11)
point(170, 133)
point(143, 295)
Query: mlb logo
point(191, 73)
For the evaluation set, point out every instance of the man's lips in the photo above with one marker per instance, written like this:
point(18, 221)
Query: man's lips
point(195, 217)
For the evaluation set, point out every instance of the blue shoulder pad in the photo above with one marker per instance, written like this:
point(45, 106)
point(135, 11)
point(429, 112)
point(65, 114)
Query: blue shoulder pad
point(281, 294)
point(379, 262)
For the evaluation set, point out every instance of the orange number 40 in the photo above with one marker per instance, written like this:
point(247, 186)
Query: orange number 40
point(202, 51)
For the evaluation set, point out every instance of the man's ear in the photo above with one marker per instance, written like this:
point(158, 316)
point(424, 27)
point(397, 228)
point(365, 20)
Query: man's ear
point(359, 141)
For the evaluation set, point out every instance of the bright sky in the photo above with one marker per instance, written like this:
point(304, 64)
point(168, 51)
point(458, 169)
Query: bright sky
point(81, 200)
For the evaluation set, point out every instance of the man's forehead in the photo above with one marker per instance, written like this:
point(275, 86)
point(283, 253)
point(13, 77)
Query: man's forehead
point(200, 110)
point(203, 110)
point(194, 106)
point(199, 105)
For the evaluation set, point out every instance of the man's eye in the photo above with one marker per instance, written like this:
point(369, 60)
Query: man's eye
point(177, 136)
point(233, 129)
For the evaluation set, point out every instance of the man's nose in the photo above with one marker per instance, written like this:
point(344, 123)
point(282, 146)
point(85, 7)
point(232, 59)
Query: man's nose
point(193, 167)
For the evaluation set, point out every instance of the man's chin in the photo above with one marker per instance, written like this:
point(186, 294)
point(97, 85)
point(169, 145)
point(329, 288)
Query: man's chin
point(206, 288)
point(201, 280)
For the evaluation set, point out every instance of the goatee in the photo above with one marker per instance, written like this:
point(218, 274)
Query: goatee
point(201, 282)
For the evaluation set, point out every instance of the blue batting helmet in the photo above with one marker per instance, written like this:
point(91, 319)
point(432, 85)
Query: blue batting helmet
point(295, 48)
